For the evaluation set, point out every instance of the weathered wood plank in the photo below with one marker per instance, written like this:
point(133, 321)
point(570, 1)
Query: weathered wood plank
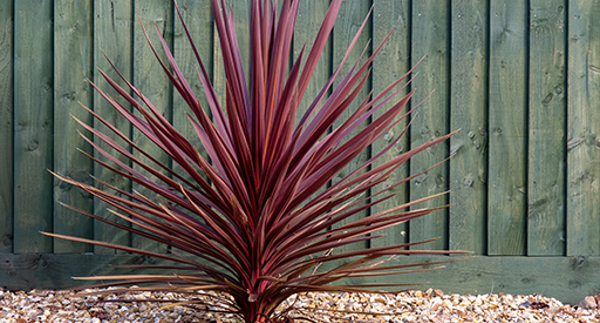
point(6, 126)
point(481, 275)
point(350, 17)
point(198, 18)
point(154, 84)
point(73, 52)
point(514, 275)
point(392, 62)
point(508, 128)
point(546, 233)
point(33, 111)
point(430, 38)
point(113, 35)
point(241, 14)
point(52, 271)
point(308, 22)
point(583, 129)
point(468, 106)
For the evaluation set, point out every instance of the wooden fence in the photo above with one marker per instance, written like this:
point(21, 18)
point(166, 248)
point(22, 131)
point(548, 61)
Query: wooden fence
point(520, 78)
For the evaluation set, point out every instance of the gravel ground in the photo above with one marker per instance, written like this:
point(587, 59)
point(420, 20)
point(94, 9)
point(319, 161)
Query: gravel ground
point(411, 306)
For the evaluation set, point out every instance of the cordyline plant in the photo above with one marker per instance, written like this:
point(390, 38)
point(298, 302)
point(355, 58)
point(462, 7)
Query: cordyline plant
point(253, 215)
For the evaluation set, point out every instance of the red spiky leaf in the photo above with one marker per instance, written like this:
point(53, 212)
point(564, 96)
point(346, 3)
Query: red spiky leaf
point(249, 215)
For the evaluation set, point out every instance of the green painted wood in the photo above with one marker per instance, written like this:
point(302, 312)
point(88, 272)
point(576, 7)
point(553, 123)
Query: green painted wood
point(430, 38)
point(198, 18)
point(33, 112)
point(38, 103)
point(308, 22)
point(568, 279)
point(113, 35)
point(153, 83)
point(73, 39)
point(468, 105)
point(55, 271)
point(241, 14)
point(392, 62)
point(579, 276)
point(583, 129)
point(310, 16)
point(546, 232)
point(6, 125)
point(508, 128)
point(350, 17)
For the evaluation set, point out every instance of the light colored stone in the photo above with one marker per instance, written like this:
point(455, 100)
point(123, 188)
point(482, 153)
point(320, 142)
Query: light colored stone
point(588, 303)
point(413, 306)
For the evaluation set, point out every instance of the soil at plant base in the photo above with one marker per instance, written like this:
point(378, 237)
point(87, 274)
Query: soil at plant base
point(410, 306)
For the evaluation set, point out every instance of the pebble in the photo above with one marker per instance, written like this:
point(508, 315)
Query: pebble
point(588, 303)
point(411, 306)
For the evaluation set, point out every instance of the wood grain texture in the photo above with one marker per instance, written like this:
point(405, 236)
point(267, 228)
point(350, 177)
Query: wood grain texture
point(241, 14)
point(350, 17)
point(468, 105)
point(430, 38)
point(508, 128)
point(392, 62)
point(481, 275)
point(33, 116)
point(308, 22)
point(583, 129)
point(153, 83)
point(516, 275)
point(6, 125)
point(41, 271)
point(310, 16)
point(113, 36)
point(546, 231)
point(198, 18)
point(73, 43)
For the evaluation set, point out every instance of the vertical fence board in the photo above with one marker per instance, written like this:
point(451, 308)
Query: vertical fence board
point(241, 17)
point(73, 38)
point(524, 208)
point(113, 36)
point(198, 18)
point(33, 122)
point(6, 126)
point(392, 62)
point(583, 155)
point(546, 166)
point(350, 18)
point(430, 38)
point(308, 22)
point(153, 83)
point(508, 128)
point(468, 100)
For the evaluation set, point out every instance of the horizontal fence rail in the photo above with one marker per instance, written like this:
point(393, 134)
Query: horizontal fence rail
point(521, 79)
